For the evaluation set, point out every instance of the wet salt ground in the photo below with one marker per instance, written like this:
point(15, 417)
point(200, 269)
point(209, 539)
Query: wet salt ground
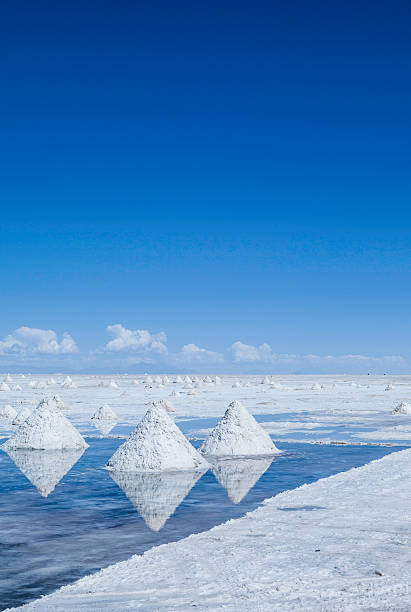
point(87, 522)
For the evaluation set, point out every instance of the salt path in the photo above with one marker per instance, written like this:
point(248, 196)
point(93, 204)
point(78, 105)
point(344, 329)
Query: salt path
point(45, 429)
point(156, 445)
point(238, 433)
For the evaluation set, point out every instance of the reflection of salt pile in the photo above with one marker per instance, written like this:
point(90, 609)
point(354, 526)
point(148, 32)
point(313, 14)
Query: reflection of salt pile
point(105, 413)
point(238, 433)
point(156, 496)
point(44, 468)
point(104, 426)
point(238, 476)
point(402, 408)
point(156, 445)
point(46, 428)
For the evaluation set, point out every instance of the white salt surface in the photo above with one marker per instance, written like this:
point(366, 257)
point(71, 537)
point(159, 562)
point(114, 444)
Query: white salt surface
point(45, 429)
point(339, 544)
point(156, 445)
point(238, 433)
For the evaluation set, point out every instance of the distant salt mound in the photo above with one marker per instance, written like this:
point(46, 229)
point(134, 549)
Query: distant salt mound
point(51, 381)
point(178, 379)
point(156, 445)
point(22, 415)
point(112, 384)
point(156, 496)
point(102, 384)
point(8, 412)
point(44, 468)
point(135, 382)
point(238, 476)
point(9, 378)
point(316, 387)
point(236, 384)
point(166, 380)
point(148, 380)
point(187, 379)
point(17, 388)
point(389, 388)
point(207, 379)
point(46, 429)
point(265, 381)
point(402, 408)
point(59, 403)
point(105, 413)
point(238, 433)
point(217, 380)
point(4, 387)
point(167, 405)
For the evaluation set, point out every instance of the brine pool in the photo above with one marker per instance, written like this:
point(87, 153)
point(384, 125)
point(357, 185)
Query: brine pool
point(63, 516)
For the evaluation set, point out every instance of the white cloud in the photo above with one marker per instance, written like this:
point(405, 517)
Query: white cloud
point(264, 355)
point(191, 353)
point(135, 340)
point(32, 341)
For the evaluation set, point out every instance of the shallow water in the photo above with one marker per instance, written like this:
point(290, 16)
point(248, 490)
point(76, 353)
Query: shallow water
point(60, 531)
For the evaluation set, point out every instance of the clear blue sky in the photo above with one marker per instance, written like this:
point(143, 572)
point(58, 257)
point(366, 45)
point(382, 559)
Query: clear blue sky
point(219, 171)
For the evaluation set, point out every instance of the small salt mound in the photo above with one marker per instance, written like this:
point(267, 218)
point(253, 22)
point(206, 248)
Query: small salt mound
point(389, 388)
point(316, 387)
point(112, 384)
point(4, 387)
point(166, 380)
point(21, 416)
point(191, 392)
point(9, 378)
point(265, 381)
point(67, 381)
point(102, 384)
point(51, 381)
point(217, 380)
point(59, 403)
point(238, 433)
point(178, 379)
point(238, 476)
point(188, 386)
point(8, 412)
point(17, 388)
point(156, 445)
point(187, 379)
point(105, 413)
point(135, 382)
point(32, 384)
point(402, 408)
point(40, 385)
point(148, 380)
point(167, 405)
point(236, 384)
point(207, 379)
point(46, 429)
point(275, 385)
point(157, 380)
point(45, 468)
point(156, 496)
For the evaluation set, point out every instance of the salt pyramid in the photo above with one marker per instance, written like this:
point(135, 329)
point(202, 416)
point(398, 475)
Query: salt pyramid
point(207, 379)
point(178, 379)
point(148, 380)
point(238, 433)
point(402, 408)
point(167, 405)
point(389, 388)
point(187, 379)
point(105, 413)
point(9, 378)
point(22, 415)
point(238, 476)
point(4, 387)
point(59, 403)
point(265, 381)
point(45, 429)
point(8, 412)
point(157, 495)
point(17, 388)
point(44, 468)
point(112, 384)
point(156, 445)
point(217, 380)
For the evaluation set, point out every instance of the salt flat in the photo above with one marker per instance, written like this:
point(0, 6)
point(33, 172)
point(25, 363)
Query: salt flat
point(342, 543)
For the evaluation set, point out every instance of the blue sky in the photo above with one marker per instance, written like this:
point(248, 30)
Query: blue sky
point(216, 173)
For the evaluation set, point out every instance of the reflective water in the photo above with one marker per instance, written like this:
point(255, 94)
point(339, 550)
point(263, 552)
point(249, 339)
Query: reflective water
point(62, 516)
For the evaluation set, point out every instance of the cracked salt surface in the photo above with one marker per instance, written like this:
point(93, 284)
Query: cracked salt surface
point(90, 520)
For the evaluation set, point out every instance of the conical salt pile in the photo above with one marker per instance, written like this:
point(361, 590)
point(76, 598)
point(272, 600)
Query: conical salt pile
point(22, 416)
point(156, 496)
point(402, 408)
point(112, 384)
point(4, 387)
point(46, 429)
point(178, 379)
point(59, 403)
point(8, 412)
point(238, 476)
point(167, 405)
point(238, 433)
point(44, 468)
point(156, 445)
point(105, 413)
